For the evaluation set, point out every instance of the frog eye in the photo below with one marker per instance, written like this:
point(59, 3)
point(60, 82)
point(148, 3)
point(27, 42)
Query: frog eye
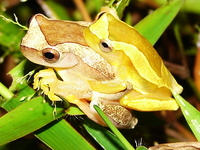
point(50, 55)
point(105, 46)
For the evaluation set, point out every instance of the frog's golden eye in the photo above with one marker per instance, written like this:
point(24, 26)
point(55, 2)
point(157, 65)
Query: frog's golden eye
point(50, 55)
point(105, 46)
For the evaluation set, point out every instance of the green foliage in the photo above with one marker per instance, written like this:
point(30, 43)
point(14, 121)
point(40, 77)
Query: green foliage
point(10, 37)
point(190, 113)
point(163, 16)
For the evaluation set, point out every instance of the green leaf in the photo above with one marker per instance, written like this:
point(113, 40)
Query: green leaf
point(152, 26)
point(189, 6)
point(60, 135)
point(24, 92)
point(191, 114)
point(104, 137)
point(27, 118)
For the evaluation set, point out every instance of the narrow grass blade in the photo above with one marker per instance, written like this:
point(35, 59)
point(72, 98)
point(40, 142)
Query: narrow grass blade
point(191, 114)
point(155, 24)
point(104, 137)
point(113, 128)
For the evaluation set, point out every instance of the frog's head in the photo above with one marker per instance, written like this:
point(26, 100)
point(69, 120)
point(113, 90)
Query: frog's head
point(111, 38)
point(52, 42)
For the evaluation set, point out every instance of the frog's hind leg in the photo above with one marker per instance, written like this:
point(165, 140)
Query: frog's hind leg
point(148, 102)
point(84, 105)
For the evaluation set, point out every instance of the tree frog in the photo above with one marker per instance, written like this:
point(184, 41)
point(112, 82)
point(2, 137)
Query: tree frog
point(72, 66)
point(135, 62)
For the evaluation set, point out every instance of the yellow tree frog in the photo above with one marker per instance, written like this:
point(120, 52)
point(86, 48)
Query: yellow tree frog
point(71, 64)
point(135, 63)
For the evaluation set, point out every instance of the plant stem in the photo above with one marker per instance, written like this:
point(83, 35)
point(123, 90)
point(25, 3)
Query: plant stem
point(113, 128)
point(4, 91)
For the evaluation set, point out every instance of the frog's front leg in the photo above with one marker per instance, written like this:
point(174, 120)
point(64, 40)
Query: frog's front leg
point(50, 84)
point(46, 80)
